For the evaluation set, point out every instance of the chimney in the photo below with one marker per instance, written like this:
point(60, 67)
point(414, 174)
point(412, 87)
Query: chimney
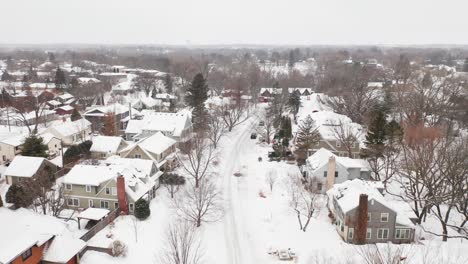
point(331, 172)
point(360, 226)
point(121, 194)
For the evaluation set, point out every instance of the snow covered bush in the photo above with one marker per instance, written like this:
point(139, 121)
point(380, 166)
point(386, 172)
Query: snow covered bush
point(118, 248)
point(142, 210)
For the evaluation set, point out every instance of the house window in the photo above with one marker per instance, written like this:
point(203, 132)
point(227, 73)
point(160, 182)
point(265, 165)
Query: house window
point(108, 191)
point(26, 254)
point(382, 233)
point(338, 144)
point(384, 217)
point(336, 174)
point(369, 217)
point(131, 207)
point(68, 187)
point(317, 143)
point(325, 174)
point(114, 190)
point(369, 233)
point(351, 233)
point(91, 203)
point(402, 233)
point(4, 158)
point(88, 188)
point(73, 202)
point(105, 204)
point(137, 156)
point(319, 186)
point(116, 205)
point(342, 226)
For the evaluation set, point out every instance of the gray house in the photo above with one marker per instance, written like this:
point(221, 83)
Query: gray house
point(386, 222)
point(326, 169)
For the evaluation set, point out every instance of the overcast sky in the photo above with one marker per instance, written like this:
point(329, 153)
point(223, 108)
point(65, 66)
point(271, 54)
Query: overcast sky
point(234, 21)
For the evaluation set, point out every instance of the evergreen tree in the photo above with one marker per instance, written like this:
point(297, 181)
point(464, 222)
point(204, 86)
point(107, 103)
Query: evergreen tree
point(32, 74)
point(168, 83)
point(393, 132)
point(18, 197)
point(60, 80)
point(376, 134)
point(75, 115)
point(307, 136)
point(197, 94)
point(6, 76)
point(294, 102)
point(33, 146)
point(142, 210)
point(154, 92)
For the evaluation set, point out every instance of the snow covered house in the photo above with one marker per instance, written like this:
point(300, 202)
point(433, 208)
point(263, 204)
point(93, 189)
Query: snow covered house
point(332, 128)
point(382, 221)
point(175, 125)
point(24, 167)
point(28, 237)
point(114, 183)
point(106, 146)
point(11, 146)
point(147, 103)
point(64, 110)
point(97, 116)
point(157, 147)
point(71, 132)
point(326, 169)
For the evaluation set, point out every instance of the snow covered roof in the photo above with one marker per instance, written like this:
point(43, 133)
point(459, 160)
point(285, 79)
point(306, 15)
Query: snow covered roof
point(63, 248)
point(42, 85)
point(14, 140)
point(72, 127)
point(106, 144)
point(85, 80)
point(321, 157)
point(21, 229)
point(173, 123)
point(54, 102)
point(24, 166)
point(112, 108)
point(165, 96)
point(65, 96)
point(157, 143)
point(66, 108)
point(93, 213)
point(90, 174)
point(47, 137)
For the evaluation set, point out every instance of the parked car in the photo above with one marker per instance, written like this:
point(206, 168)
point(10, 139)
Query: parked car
point(253, 136)
point(284, 255)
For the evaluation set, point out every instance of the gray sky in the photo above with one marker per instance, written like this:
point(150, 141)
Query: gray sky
point(234, 21)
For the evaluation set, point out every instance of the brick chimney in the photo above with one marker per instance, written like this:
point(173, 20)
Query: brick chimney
point(360, 226)
point(121, 194)
point(331, 172)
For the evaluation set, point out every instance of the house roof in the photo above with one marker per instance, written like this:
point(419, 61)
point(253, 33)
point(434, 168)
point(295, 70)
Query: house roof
point(72, 127)
point(66, 108)
point(21, 229)
point(63, 248)
point(47, 137)
point(65, 96)
point(321, 157)
point(112, 108)
point(106, 144)
point(24, 166)
point(157, 143)
point(173, 123)
point(90, 174)
point(93, 213)
point(15, 140)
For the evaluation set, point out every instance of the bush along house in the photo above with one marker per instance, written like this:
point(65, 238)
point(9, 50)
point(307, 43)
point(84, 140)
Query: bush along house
point(363, 216)
point(112, 184)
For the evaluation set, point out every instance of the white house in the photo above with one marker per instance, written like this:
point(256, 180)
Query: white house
point(106, 146)
point(71, 132)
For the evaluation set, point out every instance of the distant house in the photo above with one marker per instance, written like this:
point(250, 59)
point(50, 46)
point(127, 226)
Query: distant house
point(71, 132)
point(97, 116)
point(65, 99)
point(325, 169)
point(64, 110)
point(175, 125)
point(386, 222)
point(23, 167)
point(53, 104)
point(114, 183)
point(53, 143)
point(329, 124)
point(156, 147)
point(147, 103)
point(10, 147)
point(31, 238)
point(106, 146)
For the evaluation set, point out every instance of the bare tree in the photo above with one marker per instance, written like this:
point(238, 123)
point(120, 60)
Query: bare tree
point(200, 204)
point(182, 244)
point(197, 160)
point(267, 130)
point(216, 128)
point(233, 114)
point(305, 202)
point(29, 110)
point(145, 82)
point(271, 178)
point(57, 200)
point(172, 182)
point(346, 135)
point(389, 254)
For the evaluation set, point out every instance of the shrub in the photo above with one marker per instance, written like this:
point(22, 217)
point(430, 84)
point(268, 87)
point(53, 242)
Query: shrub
point(18, 196)
point(142, 210)
point(118, 248)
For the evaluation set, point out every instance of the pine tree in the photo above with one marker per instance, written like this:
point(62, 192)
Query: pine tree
point(294, 102)
point(197, 94)
point(33, 146)
point(60, 80)
point(75, 115)
point(376, 134)
point(393, 132)
point(307, 136)
point(142, 210)
point(17, 195)
point(168, 83)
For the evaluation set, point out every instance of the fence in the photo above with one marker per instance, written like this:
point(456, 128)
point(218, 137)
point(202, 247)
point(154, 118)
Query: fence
point(100, 225)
